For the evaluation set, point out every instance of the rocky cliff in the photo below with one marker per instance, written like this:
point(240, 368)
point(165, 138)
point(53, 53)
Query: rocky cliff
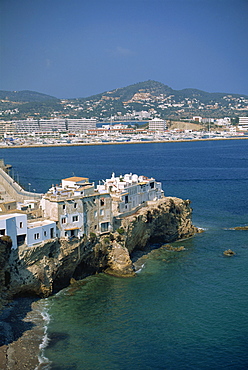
point(44, 269)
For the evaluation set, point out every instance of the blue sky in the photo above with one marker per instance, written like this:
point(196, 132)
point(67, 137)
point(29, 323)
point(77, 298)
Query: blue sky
point(77, 48)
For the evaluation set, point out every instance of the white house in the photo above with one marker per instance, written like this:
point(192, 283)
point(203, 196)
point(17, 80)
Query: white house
point(15, 226)
point(130, 191)
point(21, 231)
point(39, 231)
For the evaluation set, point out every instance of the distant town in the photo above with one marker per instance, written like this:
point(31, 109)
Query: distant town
point(86, 131)
point(146, 111)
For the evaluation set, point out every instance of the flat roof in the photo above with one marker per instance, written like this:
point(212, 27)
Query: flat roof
point(10, 215)
point(39, 223)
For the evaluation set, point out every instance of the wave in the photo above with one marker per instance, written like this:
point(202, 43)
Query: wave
point(139, 268)
point(44, 362)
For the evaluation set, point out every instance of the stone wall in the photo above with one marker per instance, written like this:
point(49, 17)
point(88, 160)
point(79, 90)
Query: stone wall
point(14, 190)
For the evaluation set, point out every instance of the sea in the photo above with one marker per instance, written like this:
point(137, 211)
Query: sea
point(183, 310)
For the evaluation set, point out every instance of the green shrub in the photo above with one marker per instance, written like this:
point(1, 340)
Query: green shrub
point(120, 230)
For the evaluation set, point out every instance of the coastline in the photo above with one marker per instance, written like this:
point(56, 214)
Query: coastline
point(24, 339)
point(121, 143)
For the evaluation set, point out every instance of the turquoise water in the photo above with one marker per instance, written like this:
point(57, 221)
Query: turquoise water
point(183, 310)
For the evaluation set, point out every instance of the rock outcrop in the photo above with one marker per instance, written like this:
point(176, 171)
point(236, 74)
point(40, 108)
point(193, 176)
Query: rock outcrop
point(44, 269)
point(5, 250)
point(229, 253)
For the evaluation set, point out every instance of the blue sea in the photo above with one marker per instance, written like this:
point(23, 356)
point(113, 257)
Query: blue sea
point(183, 310)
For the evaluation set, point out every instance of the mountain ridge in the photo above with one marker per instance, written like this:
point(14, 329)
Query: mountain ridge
point(150, 96)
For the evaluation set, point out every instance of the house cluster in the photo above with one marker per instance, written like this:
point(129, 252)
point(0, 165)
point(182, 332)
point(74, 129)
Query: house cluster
point(76, 208)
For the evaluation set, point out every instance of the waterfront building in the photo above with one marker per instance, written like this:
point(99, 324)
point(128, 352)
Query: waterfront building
point(78, 208)
point(75, 208)
point(80, 124)
point(243, 123)
point(41, 126)
point(157, 124)
point(21, 231)
point(130, 191)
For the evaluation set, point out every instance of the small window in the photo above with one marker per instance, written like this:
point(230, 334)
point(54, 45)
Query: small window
point(21, 225)
point(101, 212)
point(63, 206)
point(105, 226)
point(37, 236)
point(95, 214)
point(75, 205)
point(63, 220)
point(45, 233)
point(74, 218)
point(102, 202)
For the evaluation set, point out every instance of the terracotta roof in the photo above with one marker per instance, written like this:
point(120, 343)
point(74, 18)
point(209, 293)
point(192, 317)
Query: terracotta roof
point(75, 179)
point(72, 228)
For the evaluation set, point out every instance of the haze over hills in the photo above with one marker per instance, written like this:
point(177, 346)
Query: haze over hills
point(152, 97)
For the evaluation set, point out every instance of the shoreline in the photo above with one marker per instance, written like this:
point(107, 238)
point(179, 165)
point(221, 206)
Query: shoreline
point(120, 143)
point(24, 339)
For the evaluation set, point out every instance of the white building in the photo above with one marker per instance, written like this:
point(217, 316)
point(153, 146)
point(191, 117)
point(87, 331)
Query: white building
point(32, 126)
point(243, 123)
point(197, 119)
point(80, 124)
point(22, 231)
point(130, 191)
point(223, 121)
point(157, 124)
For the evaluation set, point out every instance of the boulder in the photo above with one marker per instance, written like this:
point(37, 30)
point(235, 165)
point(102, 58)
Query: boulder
point(229, 253)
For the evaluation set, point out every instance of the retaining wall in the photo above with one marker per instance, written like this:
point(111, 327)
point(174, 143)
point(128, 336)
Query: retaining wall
point(15, 190)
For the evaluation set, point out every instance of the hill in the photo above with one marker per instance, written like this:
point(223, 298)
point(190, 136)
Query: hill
point(24, 96)
point(144, 99)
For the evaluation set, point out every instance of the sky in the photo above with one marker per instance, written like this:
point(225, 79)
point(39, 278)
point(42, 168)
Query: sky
point(78, 48)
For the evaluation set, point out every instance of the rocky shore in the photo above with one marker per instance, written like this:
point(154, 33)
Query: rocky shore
point(42, 270)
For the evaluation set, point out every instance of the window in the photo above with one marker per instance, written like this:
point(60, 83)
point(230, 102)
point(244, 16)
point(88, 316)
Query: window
point(63, 220)
point(45, 233)
point(105, 226)
point(21, 225)
point(95, 214)
point(74, 218)
point(102, 202)
point(101, 212)
point(36, 236)
point(52, 232)
point(75, 205)
point(63, 206)
point(126, 199)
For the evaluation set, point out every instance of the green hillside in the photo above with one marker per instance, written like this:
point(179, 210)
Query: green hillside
point(155, 98)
